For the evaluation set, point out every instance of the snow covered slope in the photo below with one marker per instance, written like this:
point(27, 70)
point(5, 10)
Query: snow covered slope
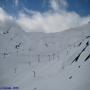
point(40, 61)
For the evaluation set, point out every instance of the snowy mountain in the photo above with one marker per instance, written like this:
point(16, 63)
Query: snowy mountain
point(44, 61)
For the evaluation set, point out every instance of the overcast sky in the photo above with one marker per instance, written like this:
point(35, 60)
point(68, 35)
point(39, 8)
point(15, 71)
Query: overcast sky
point(46, 15)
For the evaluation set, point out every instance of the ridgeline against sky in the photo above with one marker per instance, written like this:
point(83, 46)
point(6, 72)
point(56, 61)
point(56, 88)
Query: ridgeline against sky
point(46, 15)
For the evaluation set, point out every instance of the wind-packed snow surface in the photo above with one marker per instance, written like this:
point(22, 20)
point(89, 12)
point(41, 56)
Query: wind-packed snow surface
point(41, 61)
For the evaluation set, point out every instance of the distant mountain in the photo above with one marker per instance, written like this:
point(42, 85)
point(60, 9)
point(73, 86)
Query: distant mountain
point(44, 61)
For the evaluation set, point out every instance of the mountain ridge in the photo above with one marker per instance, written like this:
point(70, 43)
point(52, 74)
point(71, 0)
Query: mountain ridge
point(45, 61)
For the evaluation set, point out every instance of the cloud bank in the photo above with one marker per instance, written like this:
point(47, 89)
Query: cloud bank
point(4, 16)
point(51, 22)
point(54, 20)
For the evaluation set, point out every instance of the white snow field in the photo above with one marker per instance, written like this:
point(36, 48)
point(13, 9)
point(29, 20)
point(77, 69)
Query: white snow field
point(44, 61)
